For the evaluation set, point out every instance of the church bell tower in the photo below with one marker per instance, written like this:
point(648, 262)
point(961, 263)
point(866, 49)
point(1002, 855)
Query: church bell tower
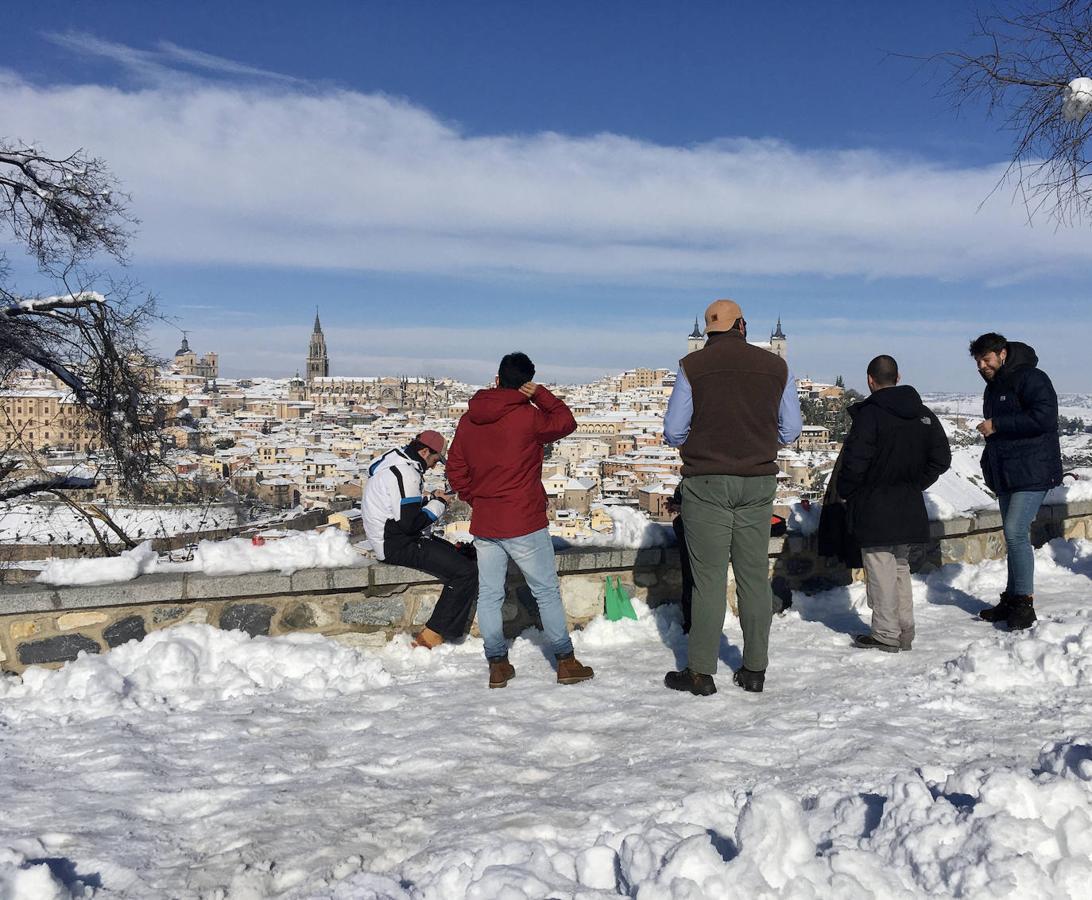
point(696, 340)
point(318, 363)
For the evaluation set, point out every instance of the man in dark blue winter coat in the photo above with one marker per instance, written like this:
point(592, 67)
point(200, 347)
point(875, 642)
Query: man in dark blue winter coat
point(895, 449)
point(1021, 462)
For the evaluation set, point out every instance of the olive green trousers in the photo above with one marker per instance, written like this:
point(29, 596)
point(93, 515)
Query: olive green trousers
point(727, 519)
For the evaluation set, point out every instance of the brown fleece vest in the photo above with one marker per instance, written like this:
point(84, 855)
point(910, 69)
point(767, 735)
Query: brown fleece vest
point(737, 395)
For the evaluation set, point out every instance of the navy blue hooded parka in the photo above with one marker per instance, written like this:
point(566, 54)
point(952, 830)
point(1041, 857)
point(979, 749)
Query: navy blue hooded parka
point(1023, 453)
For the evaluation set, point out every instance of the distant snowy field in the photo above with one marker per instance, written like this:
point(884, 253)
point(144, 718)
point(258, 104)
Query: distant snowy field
point(57, 523)
point(204, 764)
point(1078, 406)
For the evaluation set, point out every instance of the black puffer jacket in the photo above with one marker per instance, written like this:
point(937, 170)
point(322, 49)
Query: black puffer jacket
point(895, 449)
point(1023, 453)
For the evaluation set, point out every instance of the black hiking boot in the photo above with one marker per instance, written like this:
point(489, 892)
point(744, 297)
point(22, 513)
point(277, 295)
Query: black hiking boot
point(749, 681)
point(867, 642)
point(694, 682)
point(999, 613)
point(1021, 613)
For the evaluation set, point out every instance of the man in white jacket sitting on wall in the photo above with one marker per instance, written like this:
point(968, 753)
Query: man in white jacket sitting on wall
point(397, 516)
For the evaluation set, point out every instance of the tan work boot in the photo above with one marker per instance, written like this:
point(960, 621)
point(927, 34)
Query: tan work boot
point(500, 672)
point(427, 638)
point(571, 671)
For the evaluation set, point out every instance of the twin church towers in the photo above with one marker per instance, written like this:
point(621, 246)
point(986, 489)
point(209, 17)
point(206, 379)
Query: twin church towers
point(778, 343)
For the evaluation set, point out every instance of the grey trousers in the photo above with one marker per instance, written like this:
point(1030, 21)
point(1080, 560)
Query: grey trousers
point(887, 573)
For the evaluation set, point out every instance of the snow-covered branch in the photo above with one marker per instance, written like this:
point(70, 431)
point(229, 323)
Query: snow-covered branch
point(38, 483)
point(42, 305)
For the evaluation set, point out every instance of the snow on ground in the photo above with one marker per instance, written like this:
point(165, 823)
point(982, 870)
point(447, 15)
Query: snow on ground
point(1072, 491)
point(630, 528)
point(329, 549)
point(961, 490)
point(199, 764)
point(804, 517)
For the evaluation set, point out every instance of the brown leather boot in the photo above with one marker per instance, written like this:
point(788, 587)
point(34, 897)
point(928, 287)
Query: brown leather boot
point(427, 638)
point(500, 672)
point(571, 671)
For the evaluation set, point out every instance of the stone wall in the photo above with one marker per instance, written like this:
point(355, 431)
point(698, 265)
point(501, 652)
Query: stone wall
point(359, 606)
point(368, 605)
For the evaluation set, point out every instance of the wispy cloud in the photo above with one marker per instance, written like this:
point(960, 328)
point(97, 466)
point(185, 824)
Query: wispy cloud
point(168, 63)
point(208, 62)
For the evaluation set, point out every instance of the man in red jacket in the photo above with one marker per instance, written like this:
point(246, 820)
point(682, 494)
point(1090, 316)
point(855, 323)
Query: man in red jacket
point(495, 465)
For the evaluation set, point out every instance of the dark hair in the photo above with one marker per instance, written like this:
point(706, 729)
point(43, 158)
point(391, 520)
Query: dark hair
point(990, 342)
point(884, 370)
point(516, 369)
point(414, 448)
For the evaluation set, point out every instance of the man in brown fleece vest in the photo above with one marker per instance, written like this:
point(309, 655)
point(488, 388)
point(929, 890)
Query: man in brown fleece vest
point(734, 405)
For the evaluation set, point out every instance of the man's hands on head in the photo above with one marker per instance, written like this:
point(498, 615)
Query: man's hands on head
point(528, 389)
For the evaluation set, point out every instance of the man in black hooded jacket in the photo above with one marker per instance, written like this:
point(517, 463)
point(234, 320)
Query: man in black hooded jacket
point(1021, 462)
point(895, 449)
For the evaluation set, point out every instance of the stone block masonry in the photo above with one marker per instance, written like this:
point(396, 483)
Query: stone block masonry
point(368, 605)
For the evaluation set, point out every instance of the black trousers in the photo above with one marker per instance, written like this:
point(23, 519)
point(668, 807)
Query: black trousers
point(687, 599)
point(437, 557)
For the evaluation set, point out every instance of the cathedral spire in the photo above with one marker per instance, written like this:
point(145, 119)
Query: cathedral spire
point(696, 333)
point(318, 362)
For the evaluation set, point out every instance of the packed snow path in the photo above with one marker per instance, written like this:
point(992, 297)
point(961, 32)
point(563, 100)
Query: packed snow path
point(203, 764)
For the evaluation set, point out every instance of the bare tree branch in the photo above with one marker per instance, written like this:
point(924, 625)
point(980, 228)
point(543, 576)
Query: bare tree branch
point(93, 343)
point(36, 485)
point(1034, 53)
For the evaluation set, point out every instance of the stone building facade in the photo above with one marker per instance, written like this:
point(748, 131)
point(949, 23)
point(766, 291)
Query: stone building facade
point(187, 362)
point(40, 416)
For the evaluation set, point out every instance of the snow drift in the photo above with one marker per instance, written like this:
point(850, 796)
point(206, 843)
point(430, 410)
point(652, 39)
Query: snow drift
point(108, 570)
point(188, 666)
point(329, 549)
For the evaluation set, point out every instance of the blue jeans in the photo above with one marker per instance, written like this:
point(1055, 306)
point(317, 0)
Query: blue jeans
point(534, 554)
point(1018, 511)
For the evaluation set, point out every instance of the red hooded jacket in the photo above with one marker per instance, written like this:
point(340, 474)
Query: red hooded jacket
point(495, 460)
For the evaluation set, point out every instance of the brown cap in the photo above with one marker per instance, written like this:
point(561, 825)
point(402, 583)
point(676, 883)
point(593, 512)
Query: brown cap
point(433, 440)
point(721, 315)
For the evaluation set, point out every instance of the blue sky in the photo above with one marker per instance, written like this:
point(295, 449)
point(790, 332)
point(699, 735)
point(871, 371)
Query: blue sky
point(450, 181)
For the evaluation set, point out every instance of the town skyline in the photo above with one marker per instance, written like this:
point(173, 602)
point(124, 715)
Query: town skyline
point(482, 373)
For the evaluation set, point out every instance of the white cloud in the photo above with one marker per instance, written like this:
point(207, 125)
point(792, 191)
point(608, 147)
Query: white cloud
point(285, 174)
